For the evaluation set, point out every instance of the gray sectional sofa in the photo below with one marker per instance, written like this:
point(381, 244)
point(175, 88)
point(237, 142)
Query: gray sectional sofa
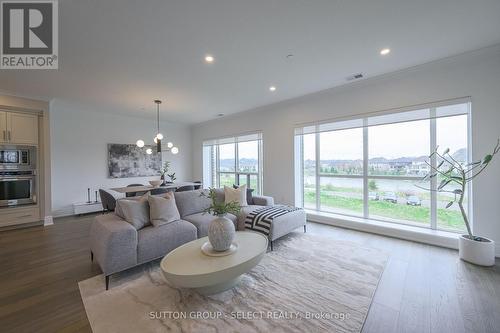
point(117, 245)
point(191, 207)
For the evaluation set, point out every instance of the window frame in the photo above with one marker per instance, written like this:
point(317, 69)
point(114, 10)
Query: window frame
point(215, 172)
point(365, 176)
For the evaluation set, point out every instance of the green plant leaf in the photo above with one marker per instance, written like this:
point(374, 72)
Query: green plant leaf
point(487, 159)
point(220, 208)
point(449, 204)
point(450, 170)
point(443, 183)
point(457, 191)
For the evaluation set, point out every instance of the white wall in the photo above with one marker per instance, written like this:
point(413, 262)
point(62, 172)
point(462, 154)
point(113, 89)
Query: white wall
point(476, 74)
point(79, 141)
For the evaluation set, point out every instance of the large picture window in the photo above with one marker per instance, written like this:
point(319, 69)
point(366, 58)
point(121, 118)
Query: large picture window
point(234, 160)
point(374, 166)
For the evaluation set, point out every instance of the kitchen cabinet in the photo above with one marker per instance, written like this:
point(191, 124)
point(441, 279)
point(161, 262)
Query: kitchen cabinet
point(18, 128)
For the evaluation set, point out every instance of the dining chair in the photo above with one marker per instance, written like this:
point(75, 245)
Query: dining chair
point(160, 190)
point(108, 201)
point(185, 188)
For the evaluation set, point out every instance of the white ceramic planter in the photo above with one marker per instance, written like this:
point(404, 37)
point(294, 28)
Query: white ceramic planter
point(221, 233)
point(477, 252)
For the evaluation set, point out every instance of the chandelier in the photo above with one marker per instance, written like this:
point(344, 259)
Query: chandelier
point(159, 137)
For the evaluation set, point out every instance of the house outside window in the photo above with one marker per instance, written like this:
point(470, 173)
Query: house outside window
point(233, 161)
point(373, 166)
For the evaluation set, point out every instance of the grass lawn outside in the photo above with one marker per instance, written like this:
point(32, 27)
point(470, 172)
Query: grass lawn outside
point(447, 219)
point(422, 195)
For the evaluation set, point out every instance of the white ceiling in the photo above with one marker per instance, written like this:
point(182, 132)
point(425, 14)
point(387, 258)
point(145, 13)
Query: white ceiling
point(119, 55)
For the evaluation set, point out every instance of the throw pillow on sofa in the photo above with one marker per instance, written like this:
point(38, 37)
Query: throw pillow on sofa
point(249, 195)
point(238, 195)
point(162, 209)
point(135, 212)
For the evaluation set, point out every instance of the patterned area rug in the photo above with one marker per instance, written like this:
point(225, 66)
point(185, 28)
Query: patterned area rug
point(307, 284)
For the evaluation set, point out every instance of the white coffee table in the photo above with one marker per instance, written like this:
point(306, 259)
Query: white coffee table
point(188, 267)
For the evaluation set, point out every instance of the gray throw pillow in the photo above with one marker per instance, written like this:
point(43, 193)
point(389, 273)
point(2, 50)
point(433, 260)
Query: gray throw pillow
point(162, 209)
point(219, 195)
point(118, 210)
point(135, 212)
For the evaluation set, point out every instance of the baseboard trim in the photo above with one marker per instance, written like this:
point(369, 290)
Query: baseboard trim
point(406, 232)
point(416, 234)
point(48, 220)
point(66, 211)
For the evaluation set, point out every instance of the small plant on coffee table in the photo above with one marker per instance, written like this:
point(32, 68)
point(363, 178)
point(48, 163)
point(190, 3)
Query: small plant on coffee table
point(220, 208)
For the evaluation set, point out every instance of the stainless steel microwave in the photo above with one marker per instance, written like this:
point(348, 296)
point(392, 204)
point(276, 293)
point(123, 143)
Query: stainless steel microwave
point(17, 157)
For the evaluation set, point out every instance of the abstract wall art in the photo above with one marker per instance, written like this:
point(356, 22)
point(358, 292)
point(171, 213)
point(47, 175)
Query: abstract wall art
point(128, 160)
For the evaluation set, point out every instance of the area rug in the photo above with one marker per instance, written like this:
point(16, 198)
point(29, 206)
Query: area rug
point(307, 284)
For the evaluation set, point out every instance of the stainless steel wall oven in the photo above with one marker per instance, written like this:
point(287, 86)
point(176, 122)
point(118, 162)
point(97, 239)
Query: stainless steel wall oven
point(18, 177)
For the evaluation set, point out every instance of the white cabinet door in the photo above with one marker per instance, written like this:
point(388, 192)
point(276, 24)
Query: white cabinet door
point(3, 127)
point(22, 128)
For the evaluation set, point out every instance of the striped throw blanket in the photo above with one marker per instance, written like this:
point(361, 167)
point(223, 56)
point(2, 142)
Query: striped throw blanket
point(260, 219)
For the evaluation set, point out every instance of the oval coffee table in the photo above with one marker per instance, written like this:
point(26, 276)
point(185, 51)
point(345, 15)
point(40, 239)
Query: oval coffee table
point(188, 267)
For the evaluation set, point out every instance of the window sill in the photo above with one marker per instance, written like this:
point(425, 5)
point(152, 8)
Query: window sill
point(428, 236)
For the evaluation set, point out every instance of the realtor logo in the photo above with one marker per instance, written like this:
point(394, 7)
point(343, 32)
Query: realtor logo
point(29, 35)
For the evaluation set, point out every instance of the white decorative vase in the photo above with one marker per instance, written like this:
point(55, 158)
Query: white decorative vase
point(221, 233)
point(480, 252)
point(155, 183)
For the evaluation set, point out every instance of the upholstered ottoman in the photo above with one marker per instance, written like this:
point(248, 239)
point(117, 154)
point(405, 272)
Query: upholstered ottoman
point(273, 221)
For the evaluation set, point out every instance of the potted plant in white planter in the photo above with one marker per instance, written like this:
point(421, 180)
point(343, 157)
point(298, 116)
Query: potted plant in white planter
point(221, 230)
point(475, 249)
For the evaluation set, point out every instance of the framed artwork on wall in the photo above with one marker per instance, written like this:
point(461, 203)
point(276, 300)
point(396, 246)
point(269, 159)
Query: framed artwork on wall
point(128, 160)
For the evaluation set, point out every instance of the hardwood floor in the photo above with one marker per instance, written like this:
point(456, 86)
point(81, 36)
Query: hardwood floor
point(423, 288)
point(39, 271)
point(426, 288)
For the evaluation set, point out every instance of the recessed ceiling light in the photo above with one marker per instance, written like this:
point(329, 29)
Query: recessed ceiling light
point(385, 51)
point(272, 88)
point(209, 59)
